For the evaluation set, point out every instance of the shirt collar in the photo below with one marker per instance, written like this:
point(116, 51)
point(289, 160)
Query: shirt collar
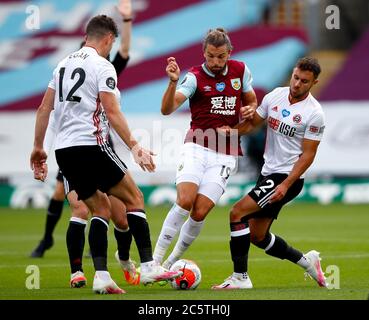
point(89, 48)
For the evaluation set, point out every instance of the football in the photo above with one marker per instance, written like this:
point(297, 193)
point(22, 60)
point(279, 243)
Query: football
point(190, 278)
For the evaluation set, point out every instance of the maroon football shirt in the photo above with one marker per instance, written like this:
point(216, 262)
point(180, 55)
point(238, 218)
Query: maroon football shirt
point(216, 103)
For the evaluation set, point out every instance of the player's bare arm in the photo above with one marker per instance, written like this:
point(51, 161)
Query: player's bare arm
point(125, 9)
point(242, 128)
point(117, 120)
point(172, 100)
point(309, 149)
point(249, 105)
point(38, 155)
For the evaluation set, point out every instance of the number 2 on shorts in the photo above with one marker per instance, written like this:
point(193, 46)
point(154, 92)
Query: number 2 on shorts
point(269, 185)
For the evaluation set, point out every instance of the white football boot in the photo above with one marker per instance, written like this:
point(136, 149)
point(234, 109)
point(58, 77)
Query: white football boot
point(314, 270)
point(235, 282)
point(106, 285)
point(154, 272)
point(78, 280)
point(129, 269)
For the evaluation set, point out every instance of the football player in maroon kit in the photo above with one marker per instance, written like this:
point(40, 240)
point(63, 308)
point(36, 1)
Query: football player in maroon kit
point(219, 91)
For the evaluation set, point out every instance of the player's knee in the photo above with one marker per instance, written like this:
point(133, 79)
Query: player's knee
point(79, 210)
point(199, 214)
point(139, 198)
point(185, 201)
point(120, 221)
point(136, 200)
point(235, 214)
point(257, 239)
point(102, 206)
point(120, 224)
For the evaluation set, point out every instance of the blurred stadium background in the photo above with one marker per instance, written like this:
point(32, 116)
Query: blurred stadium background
point(269, 35)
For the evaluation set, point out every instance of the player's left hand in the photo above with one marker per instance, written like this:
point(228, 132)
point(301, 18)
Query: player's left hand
point(144, 158)
point(125, 8)
point(40, 172)
point(38, 164)
point(247, 112)
point(279, 193)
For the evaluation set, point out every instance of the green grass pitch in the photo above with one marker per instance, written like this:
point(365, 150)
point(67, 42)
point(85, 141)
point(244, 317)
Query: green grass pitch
point(340, 232)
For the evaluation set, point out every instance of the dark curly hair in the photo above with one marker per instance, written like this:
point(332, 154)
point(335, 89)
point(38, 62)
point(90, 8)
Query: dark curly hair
point(309, 64)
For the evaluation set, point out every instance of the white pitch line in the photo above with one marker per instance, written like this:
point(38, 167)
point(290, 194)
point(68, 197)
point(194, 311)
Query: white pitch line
point(53, 265)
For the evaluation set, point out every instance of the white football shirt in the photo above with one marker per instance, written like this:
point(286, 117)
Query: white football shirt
point(77, 80)
point(287, 125)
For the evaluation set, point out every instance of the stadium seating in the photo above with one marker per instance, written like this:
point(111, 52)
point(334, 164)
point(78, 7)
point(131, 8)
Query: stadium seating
point(348, 81)
point(161, 29)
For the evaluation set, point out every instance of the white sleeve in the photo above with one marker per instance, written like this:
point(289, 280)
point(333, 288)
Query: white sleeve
point(262, 110)
point(52, 82)
point(247, 80)
point(315, 127)
point(188, 85)
point(107, 77)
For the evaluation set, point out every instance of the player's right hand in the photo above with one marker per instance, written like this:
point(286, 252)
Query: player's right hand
point(279, 193)
point(125, 8)
point(144, 158)
point(172, 69)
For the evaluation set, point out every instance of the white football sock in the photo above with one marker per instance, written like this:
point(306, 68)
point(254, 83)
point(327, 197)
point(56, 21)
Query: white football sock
point(147, 266)
point(189, 232)
point(103, 275)
point(303, 262)
point(240, 276)
point(172, 224)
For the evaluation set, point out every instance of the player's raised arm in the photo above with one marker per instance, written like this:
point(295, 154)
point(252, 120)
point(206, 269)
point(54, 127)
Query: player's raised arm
point(172, 99)
point(125, 9)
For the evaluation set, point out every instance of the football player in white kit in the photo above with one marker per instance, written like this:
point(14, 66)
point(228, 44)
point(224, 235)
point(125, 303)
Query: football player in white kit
point(295, 125)
point(82, 83)
point(76, 230)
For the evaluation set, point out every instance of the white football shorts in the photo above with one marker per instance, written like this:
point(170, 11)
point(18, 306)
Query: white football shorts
point(206, 168)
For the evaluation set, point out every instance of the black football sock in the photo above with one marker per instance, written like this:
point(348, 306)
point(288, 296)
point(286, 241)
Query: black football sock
point(98, 240)
point(54, 212)
point(275, 246)
point(240, 245)
point(75, 243)
point(124, 240)
point(141, 232)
